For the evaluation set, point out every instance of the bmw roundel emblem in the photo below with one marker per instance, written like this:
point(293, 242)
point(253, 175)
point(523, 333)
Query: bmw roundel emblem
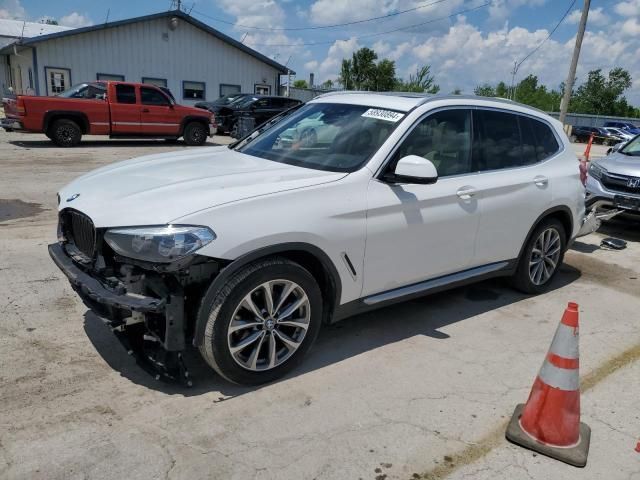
point(73, 197)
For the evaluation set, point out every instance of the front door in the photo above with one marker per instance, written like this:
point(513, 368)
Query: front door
point(157, 114)
point(419, 232)
point(58, 79)
point(125, 110)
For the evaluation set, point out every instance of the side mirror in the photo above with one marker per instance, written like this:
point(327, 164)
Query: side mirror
point(415, 169)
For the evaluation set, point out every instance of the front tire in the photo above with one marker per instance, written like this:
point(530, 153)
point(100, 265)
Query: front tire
point(195, 134)
point(541, 259)
point(65, 133)
point(262, 323)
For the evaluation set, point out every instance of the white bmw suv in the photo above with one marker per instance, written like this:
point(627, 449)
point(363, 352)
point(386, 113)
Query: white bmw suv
point(350, 202)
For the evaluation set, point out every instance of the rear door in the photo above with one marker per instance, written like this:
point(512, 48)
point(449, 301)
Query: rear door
point(514, 184)
point(125, 109)
point(157, 114)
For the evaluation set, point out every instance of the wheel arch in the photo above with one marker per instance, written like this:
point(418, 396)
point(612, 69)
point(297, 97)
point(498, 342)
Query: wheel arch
point(309, 256)
point(79, 117)
point(560, 212)
point(193, 118)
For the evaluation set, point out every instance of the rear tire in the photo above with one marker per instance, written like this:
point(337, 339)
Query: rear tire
point(541, 258)
point(65, 133)
point(247, 344)
point(195, 134)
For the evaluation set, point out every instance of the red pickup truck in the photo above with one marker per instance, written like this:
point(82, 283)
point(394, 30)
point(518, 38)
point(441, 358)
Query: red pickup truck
point(117, 109)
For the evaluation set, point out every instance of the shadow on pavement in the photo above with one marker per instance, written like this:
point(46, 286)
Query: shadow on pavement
point(343, 340)
point(107, 143)
point(625, 227)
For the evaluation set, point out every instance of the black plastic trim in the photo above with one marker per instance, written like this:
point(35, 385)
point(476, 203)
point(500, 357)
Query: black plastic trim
point(90, 287)
point(359, 306)
point(194, 118)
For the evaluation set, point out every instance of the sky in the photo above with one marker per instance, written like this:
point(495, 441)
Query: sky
point(466, 42)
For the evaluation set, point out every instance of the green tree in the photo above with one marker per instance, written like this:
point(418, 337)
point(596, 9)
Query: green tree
point(421, 82)
point(363, 68)
point(485, 90)
point(327, 84)
point(300, 84)
point(456, 91)
point(502, 90)
point(384, 76)
point(602, 95)
point(346, 75)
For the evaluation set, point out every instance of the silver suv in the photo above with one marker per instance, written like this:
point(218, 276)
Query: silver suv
point(614, 181)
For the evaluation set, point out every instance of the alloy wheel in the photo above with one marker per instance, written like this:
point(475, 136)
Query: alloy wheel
point(269, 325)
point(545, 256)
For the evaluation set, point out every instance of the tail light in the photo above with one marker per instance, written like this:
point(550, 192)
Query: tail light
point(20, 107)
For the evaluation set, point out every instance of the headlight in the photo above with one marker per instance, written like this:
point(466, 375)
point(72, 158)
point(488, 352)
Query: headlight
point(596, 171)
point(158, 244)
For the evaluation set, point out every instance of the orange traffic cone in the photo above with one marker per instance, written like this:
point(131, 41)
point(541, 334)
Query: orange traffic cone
point(587, 150)
point(549, 423)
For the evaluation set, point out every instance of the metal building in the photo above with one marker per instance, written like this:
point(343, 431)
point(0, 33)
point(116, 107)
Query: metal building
point(170, 49)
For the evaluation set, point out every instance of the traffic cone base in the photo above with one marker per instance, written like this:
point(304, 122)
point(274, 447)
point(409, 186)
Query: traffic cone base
point(574, 455)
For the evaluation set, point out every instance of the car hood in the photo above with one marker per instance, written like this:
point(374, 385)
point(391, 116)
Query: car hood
point(159, 189)
point(621, 164)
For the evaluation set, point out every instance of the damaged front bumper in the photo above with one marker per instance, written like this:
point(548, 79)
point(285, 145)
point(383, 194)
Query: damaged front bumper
point(158, 347)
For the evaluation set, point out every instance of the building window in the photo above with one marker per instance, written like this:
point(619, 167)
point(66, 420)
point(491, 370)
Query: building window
point(158, 82)
point(193, 90)
point(58, 79)
point(261, 89)
point(228, 89)
point(111, 76)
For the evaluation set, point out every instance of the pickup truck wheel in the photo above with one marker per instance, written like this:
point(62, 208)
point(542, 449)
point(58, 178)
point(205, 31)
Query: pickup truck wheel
point(261, 324)
point(541, 258)
point(195, 134)
point(65, 133)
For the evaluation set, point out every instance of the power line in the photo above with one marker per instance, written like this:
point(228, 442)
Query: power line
point(548, 36)
point(355, 22)
point(408, 27)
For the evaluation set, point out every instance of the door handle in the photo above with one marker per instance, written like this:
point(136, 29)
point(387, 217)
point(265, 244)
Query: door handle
point(145, 110)
point(465, 193)
point(541, 181)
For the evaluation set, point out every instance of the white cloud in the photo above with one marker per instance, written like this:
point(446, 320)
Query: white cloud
point(75, 20)
point(330, 66)
point(596, 17)
point(628, 9)
point(500, 10)
point(312, 65)
point(631, 27)
point(12, 9)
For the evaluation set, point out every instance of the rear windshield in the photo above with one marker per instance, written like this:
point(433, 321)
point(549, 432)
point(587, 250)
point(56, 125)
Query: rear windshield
point(87, 91)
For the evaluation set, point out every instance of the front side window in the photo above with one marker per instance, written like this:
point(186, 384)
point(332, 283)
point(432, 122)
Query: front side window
point(125, 93)
point(444, 138)
point(325, 136)
point(193, 90)
point(151, 96)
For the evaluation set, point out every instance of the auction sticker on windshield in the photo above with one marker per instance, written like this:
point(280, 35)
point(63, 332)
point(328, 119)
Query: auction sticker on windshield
point(387, 115)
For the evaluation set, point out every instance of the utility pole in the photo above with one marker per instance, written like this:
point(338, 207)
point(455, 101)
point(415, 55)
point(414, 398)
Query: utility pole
point(512, 93)
point(568, 85)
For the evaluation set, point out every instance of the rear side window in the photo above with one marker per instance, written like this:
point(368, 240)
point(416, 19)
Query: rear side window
point(499, 145)
point(125, 93)
point(546, 143)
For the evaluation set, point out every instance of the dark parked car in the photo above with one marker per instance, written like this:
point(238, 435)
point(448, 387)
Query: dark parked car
point(260, 107)
point(626, 126)
point(602, 136)
point(215, 105)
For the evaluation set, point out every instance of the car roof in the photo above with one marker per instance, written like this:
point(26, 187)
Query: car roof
point(405, 101)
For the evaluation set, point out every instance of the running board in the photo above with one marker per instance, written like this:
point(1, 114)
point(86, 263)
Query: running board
point(427, 285)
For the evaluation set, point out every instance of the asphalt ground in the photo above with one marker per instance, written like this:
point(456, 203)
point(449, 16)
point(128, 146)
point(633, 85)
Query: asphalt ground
point(423, 389)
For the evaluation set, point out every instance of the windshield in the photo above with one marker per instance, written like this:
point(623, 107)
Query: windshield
point(632, 148)
point(325, 136)
point(88, 91)
point(244, 102)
